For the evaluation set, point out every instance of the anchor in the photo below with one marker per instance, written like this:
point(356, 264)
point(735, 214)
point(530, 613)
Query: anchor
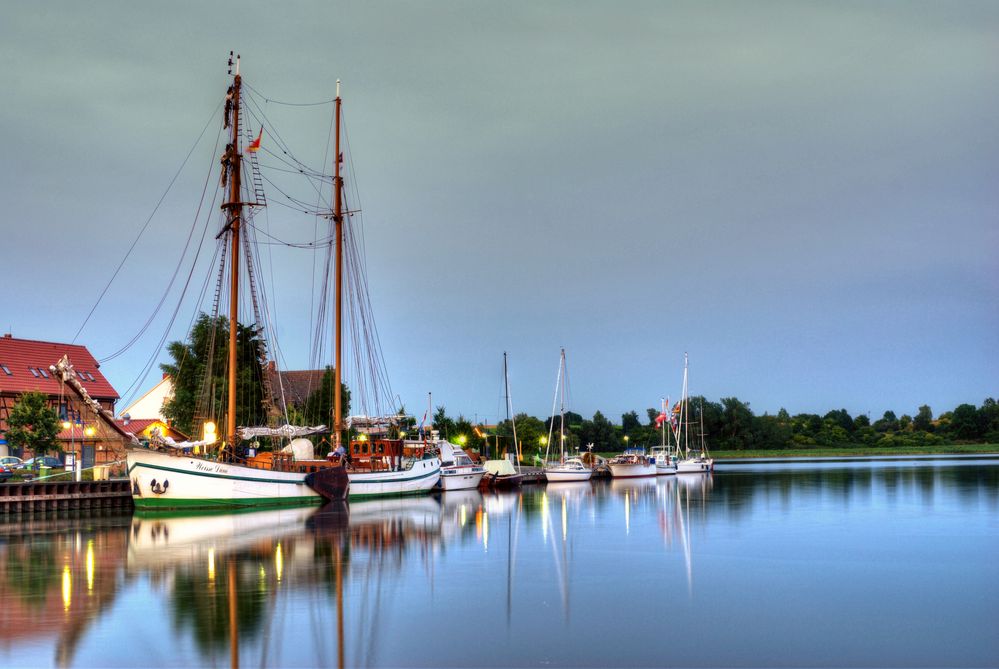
point(157, 488)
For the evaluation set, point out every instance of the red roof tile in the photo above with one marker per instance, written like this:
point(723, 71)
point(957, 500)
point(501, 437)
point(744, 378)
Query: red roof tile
point(20, 356)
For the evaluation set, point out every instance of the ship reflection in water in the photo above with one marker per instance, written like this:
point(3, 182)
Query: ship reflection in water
point(704, 570)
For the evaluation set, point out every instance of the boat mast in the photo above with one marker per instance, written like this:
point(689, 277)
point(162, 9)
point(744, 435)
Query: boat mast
point(685, 412)
point(509, 410)
point(561, 412)
point(235, 210)
point(338, 231)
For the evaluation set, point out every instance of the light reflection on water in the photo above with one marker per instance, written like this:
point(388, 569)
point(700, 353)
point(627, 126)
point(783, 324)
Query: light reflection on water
point(869, 563)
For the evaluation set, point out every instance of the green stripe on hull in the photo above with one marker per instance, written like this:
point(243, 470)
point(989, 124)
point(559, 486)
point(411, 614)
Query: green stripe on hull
point(159, 503)
point(213, 475)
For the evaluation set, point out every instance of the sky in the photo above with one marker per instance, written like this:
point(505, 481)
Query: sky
point(801, 196)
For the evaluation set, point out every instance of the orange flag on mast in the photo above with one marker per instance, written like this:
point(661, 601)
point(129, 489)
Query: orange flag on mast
point(255, 144)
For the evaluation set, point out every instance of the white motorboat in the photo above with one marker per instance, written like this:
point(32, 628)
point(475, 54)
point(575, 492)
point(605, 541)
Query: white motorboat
point(458, 470)
point(633, 463)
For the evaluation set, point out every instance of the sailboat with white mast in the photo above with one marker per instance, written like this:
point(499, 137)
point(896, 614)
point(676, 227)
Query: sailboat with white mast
point(562, 468)
point(699, 463)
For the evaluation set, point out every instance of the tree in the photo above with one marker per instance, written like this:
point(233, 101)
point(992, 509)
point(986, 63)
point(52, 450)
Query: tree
point(841, 417)
point(924, 419)
point(33, 425)
point(200, 379)
point(887, 423)
point(630, 423)
point(318, 407)
point(599, 432)
point(443, 424)
point(965, 422)
point(737, 422)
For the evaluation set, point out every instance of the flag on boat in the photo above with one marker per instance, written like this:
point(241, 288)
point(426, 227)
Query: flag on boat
point(422, 423)
point(255, 144)
point(660, 418)
point(676, 408)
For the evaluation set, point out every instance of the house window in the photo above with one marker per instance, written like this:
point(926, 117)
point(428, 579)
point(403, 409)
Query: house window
point(34, 372)
point(6, 370)
point(42, 371)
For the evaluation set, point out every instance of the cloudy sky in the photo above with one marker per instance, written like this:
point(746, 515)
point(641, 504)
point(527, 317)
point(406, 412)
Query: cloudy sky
point(802, 196)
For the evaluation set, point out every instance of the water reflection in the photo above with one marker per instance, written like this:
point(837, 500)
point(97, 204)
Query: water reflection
point(704, 568)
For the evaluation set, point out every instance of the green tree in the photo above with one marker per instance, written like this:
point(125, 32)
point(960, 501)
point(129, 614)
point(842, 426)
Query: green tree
point(318, 406)
point(887, 423)
point(924, 419)
point(965, 422)
point(200, 379)
point(33, 425)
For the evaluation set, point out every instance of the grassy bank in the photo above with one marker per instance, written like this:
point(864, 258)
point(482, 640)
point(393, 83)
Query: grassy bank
point(859, 451)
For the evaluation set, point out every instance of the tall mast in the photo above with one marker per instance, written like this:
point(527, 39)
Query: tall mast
point(561, 412)
point(338, 230)
point(235, 210)
point(509, 410)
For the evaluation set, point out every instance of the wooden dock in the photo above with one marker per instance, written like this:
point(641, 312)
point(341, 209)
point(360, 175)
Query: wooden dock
point(31, 496)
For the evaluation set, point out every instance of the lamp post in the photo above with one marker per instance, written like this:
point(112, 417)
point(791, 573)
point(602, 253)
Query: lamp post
point(88, 433)
point(625, 442)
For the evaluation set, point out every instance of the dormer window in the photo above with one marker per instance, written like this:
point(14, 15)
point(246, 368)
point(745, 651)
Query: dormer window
point(34, 372)
point(6, 370)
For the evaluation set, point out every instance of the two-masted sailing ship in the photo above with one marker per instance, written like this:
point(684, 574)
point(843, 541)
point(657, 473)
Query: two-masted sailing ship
point(213, 472)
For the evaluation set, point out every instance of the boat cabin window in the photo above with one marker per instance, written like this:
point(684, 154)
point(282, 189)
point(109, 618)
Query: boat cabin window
point(381, 448)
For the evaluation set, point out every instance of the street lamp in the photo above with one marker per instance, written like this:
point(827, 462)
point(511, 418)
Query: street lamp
point(625, 442)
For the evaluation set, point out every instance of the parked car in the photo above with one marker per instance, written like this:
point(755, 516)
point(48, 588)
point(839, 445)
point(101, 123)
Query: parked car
point(44, 461)
point(12, 461)
point(5, 473)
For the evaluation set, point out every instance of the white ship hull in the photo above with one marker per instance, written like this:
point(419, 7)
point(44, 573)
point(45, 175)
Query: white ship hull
point(631, 470)
point(694, 466)
point(665, 469)
point(461, 478)
point(162, 480)
point(556, 475)
point(418, 479)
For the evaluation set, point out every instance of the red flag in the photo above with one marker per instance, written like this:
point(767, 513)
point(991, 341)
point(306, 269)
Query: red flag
point(255, 144)
point(660, 418)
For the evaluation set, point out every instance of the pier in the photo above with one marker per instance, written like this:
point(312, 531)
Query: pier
point(32, 496)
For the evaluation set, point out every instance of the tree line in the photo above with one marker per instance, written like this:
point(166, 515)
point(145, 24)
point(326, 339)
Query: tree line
point(731, 425)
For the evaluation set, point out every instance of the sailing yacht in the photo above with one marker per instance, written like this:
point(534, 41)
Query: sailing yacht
point(503, 473)
point(699, 463)
point(169, 475)
point(562, 469)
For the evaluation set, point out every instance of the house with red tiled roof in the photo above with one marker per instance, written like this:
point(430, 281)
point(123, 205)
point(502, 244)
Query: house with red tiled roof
point(292, 388)
point(25, 367)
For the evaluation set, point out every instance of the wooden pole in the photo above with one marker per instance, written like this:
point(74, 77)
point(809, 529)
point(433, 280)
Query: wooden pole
point(338, 226)
point(235, 212)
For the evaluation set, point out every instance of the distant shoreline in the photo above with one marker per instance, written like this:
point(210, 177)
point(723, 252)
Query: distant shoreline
point(860, 451)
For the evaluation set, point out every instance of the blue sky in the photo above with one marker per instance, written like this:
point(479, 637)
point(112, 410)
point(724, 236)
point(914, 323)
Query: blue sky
point(802, 196)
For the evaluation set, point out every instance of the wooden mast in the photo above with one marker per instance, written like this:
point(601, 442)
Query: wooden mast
point(235, 209)
point(338, 229)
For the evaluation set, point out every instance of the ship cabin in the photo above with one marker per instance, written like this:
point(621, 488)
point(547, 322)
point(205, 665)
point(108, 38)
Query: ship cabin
point(380, 454)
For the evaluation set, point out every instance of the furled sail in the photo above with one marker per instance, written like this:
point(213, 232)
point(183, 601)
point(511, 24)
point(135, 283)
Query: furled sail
point(288, 431)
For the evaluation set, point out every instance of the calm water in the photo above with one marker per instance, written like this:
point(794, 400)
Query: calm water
point(862, 563)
